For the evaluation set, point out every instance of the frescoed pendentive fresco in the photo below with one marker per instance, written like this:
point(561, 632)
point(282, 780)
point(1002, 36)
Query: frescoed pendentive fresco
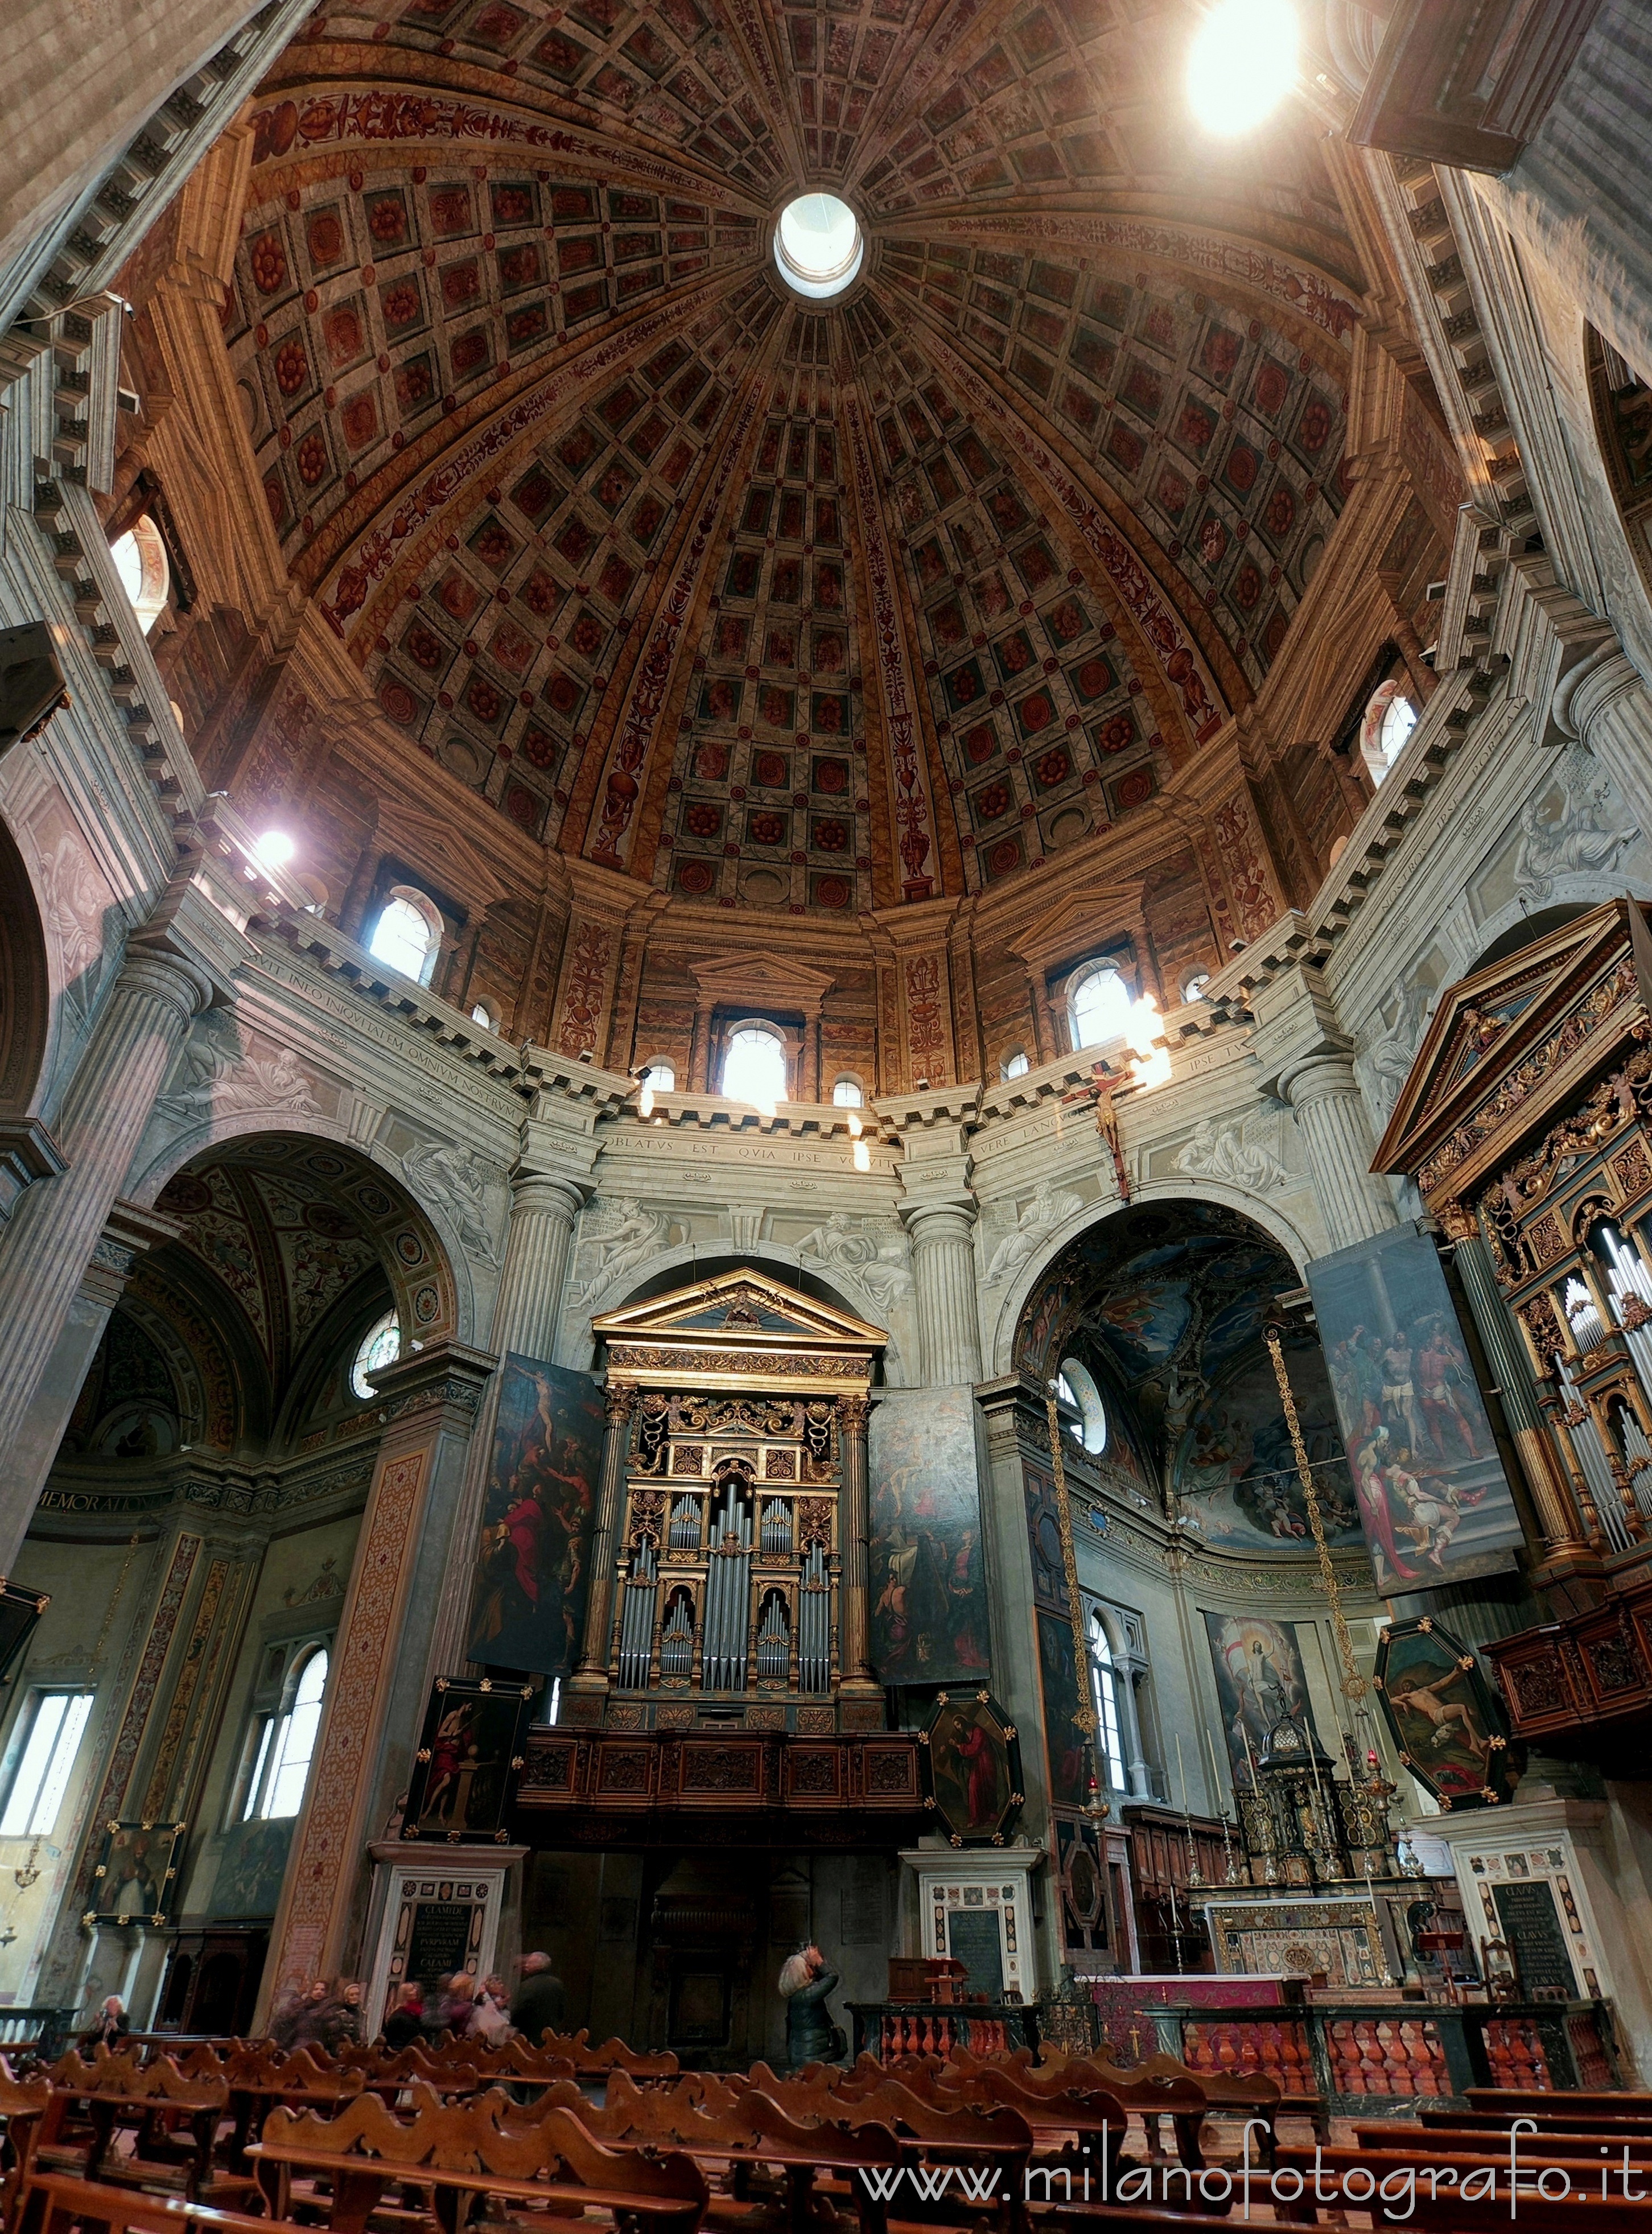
point(1168, 1303)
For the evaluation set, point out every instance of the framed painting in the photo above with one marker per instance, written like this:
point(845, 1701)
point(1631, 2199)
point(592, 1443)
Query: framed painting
point(20, 1610)
point(533, 1562)
point(1432, 1498)
point(469, 1756)
point(135, 1879)
point(1444, 1716)
point(971, 1768)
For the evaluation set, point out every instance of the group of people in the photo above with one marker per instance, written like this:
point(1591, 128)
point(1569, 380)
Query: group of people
point(456, 2005)
point(327, 2013)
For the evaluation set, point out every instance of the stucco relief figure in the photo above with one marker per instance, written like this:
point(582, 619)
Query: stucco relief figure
point(454, 1180)
point(1588, 831)
point(1224, 1155)
point(863, 1250)
point(76, 899)
point(220, 1084)
point(1050, 1207)
point(622, 1234)
point(1389, 1057)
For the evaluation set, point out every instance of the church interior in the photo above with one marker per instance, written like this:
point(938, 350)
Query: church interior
point(826, 1024)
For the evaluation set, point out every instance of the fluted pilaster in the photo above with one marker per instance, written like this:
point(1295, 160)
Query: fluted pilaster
point(45, 1249)
point(543, 1211)
point(943, 1275)
point(1324, 1094)
point(1605, 704)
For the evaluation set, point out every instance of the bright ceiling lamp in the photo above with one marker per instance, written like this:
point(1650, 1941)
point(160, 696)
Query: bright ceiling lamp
point(1243, 63)
point(818, 246)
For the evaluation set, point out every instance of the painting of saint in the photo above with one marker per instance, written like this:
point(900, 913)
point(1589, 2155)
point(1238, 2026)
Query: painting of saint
point(1428, 1482)
point(136, 1873)
point(1259, 1681)
point(533, 1577)
point(928, 1590)
point(1443, 1716)
point(1063, 1739)
point(464, 1768)
point(973, 1768)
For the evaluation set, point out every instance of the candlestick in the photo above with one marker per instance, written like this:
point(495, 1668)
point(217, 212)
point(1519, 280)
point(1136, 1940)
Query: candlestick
point(1250, 1759)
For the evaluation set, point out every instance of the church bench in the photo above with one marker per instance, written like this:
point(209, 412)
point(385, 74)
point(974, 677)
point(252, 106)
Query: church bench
point(52, 2202)
point(1417, 2199)
point(464, 2155)
point(173, 2121)
point(23, 2105)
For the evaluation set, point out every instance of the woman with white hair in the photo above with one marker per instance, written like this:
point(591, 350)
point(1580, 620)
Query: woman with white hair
point(811, 2036)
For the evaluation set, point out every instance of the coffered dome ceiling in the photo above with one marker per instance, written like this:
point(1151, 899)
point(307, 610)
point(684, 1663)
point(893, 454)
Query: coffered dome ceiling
point(757, 600)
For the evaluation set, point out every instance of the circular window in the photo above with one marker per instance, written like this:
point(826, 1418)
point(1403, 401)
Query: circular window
point(818, 247)
point(141, 561)
point(381, 1345)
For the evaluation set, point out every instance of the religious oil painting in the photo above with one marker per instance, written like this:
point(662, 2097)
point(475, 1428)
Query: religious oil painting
point(533, 1566)
point(1431, 1494)
point(971, 1757)
point(1058, 1689)
point(465, 1771)
point(1260, 1682)
point(929, 1609)
point(135, 1879)
point(1444, 1716)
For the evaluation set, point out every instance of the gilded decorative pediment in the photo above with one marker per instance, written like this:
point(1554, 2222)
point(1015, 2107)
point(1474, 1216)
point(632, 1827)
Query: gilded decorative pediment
point(740, 1326)
point(1511, 1045)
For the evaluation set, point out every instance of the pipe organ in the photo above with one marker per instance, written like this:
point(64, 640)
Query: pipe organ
point(729, 1564)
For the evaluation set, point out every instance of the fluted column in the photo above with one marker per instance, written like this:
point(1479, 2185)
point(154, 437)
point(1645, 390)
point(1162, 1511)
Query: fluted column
point(1325, 1095)
point(620, 1402)
point(854, 1528)
point(943, 1275)
point(543, 1211)
point(1506, 1354)
point(46, 1248)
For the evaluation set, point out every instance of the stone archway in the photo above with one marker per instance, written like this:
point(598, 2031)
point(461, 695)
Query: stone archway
point(1270, 1220)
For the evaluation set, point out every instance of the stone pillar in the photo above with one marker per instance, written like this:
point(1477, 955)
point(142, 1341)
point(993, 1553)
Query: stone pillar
point(1505, 1354)
point(1325, 1095)
point(1303, 1056)
point(700, 1049)
point(543, 1211)
point(943, 1274)
point(854, 1530)
point(620, 1402)
point(46, 1248)
point(383, 1657)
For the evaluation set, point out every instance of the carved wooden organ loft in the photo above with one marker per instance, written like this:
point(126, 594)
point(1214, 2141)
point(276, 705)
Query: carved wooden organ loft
point(729, 1573)
point(726, 1666)
point(1526, 1122)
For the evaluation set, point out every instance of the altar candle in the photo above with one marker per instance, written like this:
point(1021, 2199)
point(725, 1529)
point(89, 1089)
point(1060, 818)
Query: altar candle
point(1244, 1732)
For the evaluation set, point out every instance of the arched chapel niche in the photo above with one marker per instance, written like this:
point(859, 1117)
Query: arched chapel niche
point(214, 1475)
point(1163, 1306)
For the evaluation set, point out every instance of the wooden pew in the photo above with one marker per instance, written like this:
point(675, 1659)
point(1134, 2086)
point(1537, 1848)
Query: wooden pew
point(92, 2101)
point(23, 2106)
point(52, 2202)
point(467, 2153)
point(1438, 2206)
